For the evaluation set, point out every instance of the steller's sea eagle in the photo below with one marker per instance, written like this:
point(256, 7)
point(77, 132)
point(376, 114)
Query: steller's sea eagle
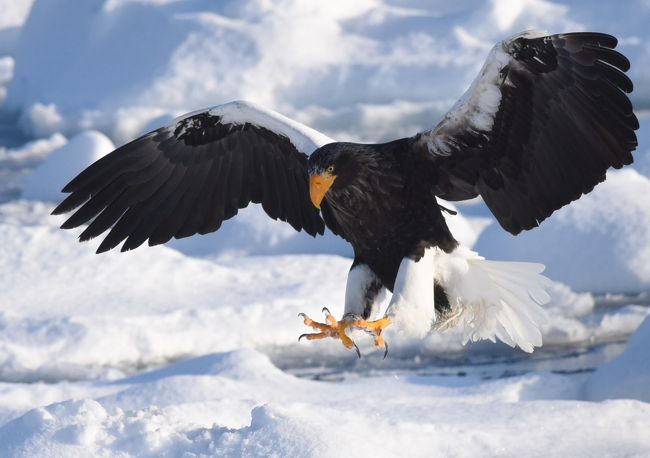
point(539, 127)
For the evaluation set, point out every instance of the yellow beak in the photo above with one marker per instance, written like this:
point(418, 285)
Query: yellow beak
point(318, 186)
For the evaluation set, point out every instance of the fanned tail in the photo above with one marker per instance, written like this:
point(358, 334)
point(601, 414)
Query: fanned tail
point(494, 299)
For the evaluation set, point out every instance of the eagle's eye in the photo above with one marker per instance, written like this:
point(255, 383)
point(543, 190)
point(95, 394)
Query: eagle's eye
point(330, 169)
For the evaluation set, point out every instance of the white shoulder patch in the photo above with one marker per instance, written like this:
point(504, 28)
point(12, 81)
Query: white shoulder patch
point(477, 108)
point(304, 138)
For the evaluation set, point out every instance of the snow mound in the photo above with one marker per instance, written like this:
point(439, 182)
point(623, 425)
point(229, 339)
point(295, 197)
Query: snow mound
point(600, 243)
point(349, 69)
point(29, 154)
point(62, 164)
point(642, 154)
point(162, 304)
point(238, 404)
point(14, 14)
point(68, 314)
point(627, 376)
point(6, 73)
point(16, 163)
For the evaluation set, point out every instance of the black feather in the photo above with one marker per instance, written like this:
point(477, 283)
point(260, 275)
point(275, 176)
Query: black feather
point(188, 178)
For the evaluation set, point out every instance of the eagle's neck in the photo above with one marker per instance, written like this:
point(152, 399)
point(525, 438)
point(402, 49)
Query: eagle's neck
point(372, 194)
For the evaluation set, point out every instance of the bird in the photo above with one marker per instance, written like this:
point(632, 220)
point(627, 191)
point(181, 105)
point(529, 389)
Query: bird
point(539, 127)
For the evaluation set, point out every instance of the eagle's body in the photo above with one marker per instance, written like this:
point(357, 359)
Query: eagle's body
point(391, 210)
point(539, 127)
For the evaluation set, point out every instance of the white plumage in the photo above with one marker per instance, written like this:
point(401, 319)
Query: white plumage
point(495, 299)
point(479, 105)
point(304, 138)
point(489, 299)
point(412, 307)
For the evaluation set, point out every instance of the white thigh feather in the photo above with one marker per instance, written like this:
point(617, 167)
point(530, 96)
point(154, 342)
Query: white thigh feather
point(412, 307)
point(493, 299)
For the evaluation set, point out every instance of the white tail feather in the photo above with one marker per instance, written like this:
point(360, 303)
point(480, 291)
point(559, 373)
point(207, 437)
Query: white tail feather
point(494, 299)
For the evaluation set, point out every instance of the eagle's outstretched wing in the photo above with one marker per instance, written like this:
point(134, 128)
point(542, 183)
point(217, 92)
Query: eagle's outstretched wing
point(540, 125)
point(189, 177)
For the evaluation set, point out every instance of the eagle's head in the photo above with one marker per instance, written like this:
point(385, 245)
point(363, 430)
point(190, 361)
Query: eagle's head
point(340, 169)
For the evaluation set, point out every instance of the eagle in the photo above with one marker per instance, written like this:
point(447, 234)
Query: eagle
point(541, 124)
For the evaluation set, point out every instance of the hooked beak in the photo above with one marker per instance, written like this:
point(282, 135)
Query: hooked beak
point(318, 186)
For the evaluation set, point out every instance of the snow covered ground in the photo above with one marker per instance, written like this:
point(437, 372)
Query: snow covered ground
point(190, 349)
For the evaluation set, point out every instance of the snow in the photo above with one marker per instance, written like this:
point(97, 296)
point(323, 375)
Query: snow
point(190, 349)
point(6, 74)
point(54, 325)
point(14, 14)
point(62, 164)
point(627, 376)
point(42, 120)
point(239, 404)
point(323, 65)
point(16, 163)
point(82, 324)
point(600, 243)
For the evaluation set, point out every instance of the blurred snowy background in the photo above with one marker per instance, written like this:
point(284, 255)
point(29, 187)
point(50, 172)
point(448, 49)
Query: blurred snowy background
point(88, 343)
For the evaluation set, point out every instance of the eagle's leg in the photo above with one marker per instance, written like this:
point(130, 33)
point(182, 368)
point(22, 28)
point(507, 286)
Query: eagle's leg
point(333, 328)
point(364, 293)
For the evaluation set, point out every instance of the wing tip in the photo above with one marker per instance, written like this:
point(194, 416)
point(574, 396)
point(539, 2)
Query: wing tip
point(601, 39)
point(58, 210)
point(70, 224)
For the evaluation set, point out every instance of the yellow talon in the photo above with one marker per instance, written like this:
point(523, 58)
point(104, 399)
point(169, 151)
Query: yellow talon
point(333, 328)
point(337, 330)
point(373, 327)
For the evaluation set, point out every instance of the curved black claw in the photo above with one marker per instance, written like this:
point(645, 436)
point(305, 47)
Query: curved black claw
point(326, 311)
point(357, 349)
point(302, 315)
point(301, 336)
point(385, 349)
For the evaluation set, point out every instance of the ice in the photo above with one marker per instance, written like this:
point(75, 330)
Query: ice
point(190, 349)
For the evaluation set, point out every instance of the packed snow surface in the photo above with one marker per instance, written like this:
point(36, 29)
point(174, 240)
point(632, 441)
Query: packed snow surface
point(74, 325)
point(240, 404)
point(191, 349)
point(628, 376)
